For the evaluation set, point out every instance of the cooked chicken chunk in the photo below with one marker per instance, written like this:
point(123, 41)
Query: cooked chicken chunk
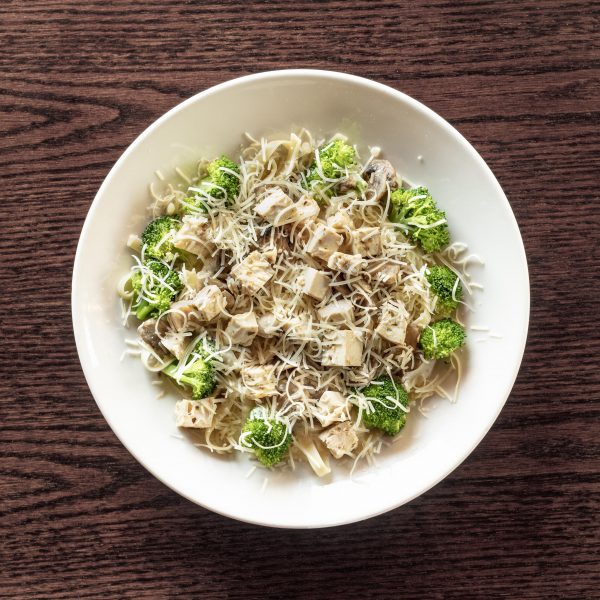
point(393, 322)
point(340, 311)
point(192, 237)
point(176, 343)
point(340, 221)
point(193, 280)
point(197, 414)
point(253, 272)
point(210, 302)
point(323, 242)
point(366, 241)
point(268, 325)
point(380, 174)
point(277, 208)
point(298, 328)
point(184, 316)
point(315, 283)
point(342, 349)
point(307, 209)
point(346, 263)
point(260, 381)
point(189, 315)
point(387, 273)
point(340, 439)
point(242, 329)
point(331, 407)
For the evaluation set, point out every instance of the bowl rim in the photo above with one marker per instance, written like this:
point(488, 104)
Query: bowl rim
point(77, 311)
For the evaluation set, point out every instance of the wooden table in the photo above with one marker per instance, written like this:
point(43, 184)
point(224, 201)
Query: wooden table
point(80, 518)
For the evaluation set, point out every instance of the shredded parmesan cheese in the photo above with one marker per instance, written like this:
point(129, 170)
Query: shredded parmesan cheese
point(265, 263)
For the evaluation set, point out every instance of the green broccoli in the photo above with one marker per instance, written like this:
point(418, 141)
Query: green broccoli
point(222, 182)
point(198, 373)
point(441, 339)
point(418, 212)
point(155, 286)
point(157, 239)
point(335, 158)
point(270, 439)
point(386, 399)
point(445, 284)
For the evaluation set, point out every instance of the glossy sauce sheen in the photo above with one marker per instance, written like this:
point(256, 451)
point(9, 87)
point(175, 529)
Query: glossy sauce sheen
point(80, 518)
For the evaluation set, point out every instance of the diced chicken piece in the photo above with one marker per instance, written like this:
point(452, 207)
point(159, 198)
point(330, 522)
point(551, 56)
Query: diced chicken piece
point(340, 221)
point(297, 328)
point(193, 280)
point(260, 381)
point(387, 274)
point(184, 316)
point(192, 237)
point(264, 355)
point(340, 311)
point(380, 175)
point(188, 315)
point(340, 439)
point(346, 263)
point(197, 414)
point(268, 325)
point(323, 242)
point(393, 322)
point(277, 208)
point(253, 272)
point(176, 344)
point(307, 209)
point(331, 407)
point(210, 302)
point(343, 349)
point(366, 241)
point(242, 329)
point(315, 283)
point(149, 335)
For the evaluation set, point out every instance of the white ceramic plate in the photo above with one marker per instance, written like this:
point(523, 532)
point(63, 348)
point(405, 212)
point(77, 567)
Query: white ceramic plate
point(426, 150)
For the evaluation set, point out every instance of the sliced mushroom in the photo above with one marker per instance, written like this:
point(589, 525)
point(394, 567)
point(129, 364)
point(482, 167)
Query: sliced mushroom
point(379, 174)
point(149, 335)
point(349, 183)
point(412, 335)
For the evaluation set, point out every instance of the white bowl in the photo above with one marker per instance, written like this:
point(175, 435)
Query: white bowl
point(426, 150)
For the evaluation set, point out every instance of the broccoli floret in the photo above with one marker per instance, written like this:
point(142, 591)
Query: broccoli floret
point(445, 284)
point(155, 286)
point(220, 181)
point(386, 397)
point(335, 158)
point(198, 373)
point(441, 339)
point(270, 439)
point(418, 212)
point(158, 243)
point(220, 177)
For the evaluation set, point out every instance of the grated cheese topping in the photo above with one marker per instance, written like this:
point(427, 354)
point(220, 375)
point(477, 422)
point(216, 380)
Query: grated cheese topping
point(282, 368)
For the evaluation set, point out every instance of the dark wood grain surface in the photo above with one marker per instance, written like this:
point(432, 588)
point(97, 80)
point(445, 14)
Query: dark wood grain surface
point(80, 518)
